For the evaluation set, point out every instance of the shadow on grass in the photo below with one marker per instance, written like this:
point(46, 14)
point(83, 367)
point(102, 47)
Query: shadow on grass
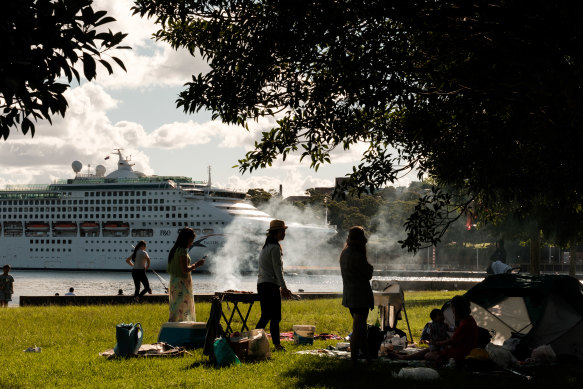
point(329, 372)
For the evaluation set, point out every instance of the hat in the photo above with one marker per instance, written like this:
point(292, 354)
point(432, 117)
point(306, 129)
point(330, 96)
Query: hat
point(356, 236)
point(277, 225)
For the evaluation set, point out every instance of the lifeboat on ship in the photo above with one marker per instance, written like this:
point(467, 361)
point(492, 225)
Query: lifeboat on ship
point(37, 226)
point(89, 226)
point(65, 226)
point(116, 226)
point(12, 225)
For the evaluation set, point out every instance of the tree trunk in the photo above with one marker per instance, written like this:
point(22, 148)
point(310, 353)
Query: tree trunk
point(572, 259)
point(535, 253)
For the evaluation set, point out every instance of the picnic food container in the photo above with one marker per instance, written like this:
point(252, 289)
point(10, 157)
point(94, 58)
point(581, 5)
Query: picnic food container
point(188, 334)
point(304, 334)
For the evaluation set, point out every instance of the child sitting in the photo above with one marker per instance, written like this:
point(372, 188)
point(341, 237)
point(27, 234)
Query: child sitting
point(435, 330)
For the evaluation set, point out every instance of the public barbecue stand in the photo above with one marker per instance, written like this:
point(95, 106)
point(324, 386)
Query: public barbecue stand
point(236, 298)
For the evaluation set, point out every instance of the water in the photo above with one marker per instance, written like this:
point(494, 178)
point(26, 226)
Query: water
point(91, 283)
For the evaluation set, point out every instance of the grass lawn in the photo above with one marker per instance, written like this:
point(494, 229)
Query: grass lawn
point(72, 337)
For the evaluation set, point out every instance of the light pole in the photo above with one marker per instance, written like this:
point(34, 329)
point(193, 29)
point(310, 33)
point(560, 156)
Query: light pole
point(326, 210)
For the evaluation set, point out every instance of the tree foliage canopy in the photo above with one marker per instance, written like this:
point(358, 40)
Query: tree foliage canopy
point(483, 96)
point(41, 42)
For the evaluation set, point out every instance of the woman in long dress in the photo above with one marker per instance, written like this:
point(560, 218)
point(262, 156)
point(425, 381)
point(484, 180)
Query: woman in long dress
point(179, 268)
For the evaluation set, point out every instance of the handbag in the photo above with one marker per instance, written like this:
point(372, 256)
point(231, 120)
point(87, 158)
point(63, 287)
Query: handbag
point(129, 339)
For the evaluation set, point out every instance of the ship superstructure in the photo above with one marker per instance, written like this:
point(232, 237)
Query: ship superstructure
point(91, 221)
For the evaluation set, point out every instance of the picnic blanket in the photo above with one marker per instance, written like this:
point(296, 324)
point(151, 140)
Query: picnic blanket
point(333, 353)
point(160, 349)
point(290, 336)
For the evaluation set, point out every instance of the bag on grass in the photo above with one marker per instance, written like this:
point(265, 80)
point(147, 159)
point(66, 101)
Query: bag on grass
point(129, 338)
point(224, 354)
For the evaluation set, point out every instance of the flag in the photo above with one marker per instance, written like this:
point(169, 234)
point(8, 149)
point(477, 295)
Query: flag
point(107, 157)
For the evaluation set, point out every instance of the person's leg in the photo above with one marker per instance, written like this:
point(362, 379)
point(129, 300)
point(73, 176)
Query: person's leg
point(263, 291)
point(136, 278)
point(275, 316)
point(358, 339)
point(145, 282)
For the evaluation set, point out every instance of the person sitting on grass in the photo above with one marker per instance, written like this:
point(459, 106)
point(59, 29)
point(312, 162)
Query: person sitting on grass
point(434, 332)
point(465, 337)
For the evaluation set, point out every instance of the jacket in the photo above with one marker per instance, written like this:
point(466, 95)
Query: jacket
point(356, 274)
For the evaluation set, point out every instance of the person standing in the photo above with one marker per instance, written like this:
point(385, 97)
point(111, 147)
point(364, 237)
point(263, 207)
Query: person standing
point(6, 286)
point(179, 268)
point(270, 283)
point(356, 290)
point(140, 262)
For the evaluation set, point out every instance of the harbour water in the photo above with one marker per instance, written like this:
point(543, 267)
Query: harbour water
point(92, 283)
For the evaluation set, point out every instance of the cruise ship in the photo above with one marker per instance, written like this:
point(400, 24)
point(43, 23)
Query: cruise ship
point(92, 221)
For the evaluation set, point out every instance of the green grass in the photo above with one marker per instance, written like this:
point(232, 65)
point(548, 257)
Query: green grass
point(72, 337)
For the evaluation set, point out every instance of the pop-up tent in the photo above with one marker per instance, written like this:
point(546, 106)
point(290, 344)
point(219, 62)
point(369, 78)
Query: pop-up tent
point(541, 310)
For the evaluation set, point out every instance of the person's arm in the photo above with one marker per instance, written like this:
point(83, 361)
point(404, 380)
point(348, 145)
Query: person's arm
point(278, 270)
point(361, 267)
point(147, 264)
point(188, 268)
point(129, 261)
point(12, 287)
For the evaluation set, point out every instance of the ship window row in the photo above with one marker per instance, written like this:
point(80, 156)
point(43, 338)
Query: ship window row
point(120, 193)
point(87, 209)
point(50, 250)
point(97, 209)
point(50, 241)
point(86, 202)
point(123, 251)
point(71, 217)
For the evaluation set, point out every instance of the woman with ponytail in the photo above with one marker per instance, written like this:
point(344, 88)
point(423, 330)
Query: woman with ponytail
point(140, 262)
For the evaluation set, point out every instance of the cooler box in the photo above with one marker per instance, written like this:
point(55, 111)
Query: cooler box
point(304, 334)
point(188, 334)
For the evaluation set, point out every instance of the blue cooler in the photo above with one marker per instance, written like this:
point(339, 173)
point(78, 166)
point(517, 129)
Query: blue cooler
point(188, 334)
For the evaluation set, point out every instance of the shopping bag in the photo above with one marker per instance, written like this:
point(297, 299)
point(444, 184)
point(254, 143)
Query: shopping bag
point(129, 339)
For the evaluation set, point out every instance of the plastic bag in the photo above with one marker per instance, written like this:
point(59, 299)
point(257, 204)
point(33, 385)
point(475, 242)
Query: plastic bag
point(129, 338)
point(417, 373)
point(258, 344)
point(544, 354)
point(501, 356)
point(224, 354)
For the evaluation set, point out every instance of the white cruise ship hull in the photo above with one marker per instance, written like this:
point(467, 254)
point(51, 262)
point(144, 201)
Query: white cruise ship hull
point(93, 221)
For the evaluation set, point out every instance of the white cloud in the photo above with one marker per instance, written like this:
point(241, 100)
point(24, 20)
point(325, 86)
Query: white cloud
point(150, 63)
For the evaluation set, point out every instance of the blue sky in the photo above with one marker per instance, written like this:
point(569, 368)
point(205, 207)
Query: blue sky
point(135, 111)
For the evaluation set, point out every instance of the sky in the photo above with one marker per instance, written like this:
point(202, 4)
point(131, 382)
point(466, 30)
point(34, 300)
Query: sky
point(136, 112)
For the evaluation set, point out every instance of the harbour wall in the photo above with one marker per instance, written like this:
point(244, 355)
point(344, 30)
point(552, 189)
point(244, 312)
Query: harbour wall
point(163, 298)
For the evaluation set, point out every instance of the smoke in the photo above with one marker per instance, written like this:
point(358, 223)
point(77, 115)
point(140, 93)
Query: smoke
point(306, 245)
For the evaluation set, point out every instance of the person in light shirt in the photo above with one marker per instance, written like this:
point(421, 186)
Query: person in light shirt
point(271, 285)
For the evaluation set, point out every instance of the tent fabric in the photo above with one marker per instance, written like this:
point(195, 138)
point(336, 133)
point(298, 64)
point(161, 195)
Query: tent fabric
point(544, 309)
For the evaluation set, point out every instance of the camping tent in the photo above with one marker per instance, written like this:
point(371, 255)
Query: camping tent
point(541, 310)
